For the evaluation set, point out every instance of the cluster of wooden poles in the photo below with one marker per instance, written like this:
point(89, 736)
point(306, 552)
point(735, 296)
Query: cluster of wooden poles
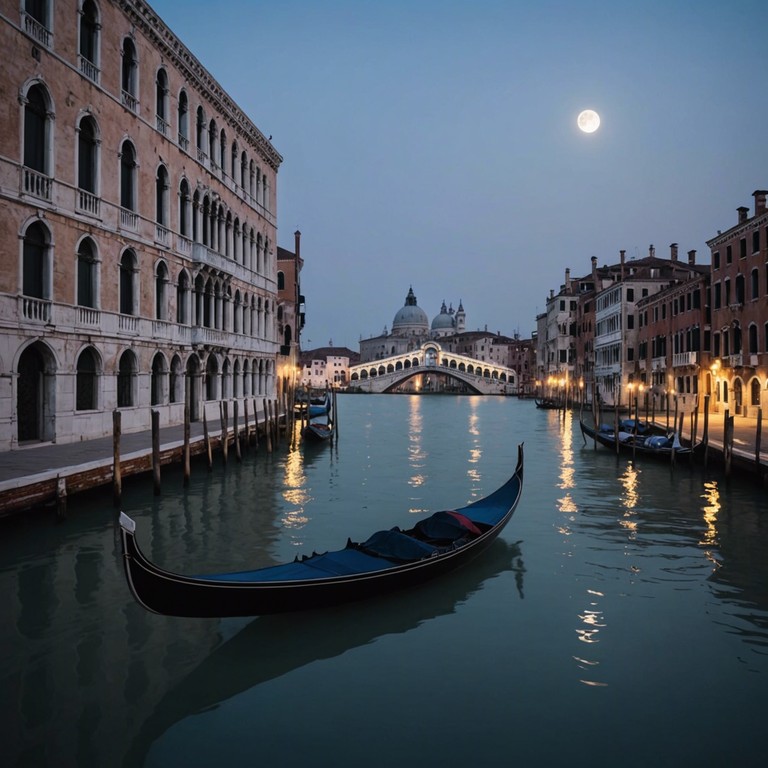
point(243, 436)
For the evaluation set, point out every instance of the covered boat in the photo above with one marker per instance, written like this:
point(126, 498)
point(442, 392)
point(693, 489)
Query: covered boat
point(643, 440)
point(387, 560)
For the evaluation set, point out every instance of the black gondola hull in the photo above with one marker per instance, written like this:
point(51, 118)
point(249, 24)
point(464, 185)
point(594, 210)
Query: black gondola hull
point(173, 594)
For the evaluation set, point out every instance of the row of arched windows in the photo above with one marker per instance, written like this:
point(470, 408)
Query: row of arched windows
point(207, 300)
point(211, 142)
point(241, 378)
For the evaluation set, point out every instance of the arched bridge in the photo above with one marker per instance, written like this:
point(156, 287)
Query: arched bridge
point(433, 370)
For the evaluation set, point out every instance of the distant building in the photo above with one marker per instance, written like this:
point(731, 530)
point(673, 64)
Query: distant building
point(327, 367)
point(290, 308)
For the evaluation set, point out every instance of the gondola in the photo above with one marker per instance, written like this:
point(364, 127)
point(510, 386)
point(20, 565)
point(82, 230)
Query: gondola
point(651, 441)
point(317, 432)
point(388, 560)
point(319, 408)
point(547, 403)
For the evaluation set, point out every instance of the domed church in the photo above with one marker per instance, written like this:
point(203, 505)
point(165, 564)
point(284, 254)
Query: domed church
point(411, 328)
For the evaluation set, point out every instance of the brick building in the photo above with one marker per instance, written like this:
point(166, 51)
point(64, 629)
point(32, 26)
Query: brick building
point(138, 227)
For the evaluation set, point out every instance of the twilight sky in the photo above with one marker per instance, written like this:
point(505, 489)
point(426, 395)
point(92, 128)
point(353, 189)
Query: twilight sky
point(433, 143)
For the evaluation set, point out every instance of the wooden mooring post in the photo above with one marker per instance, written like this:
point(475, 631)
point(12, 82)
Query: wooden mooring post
point(156, 451)
point(61, 497)
point(705, 435)
point(187, 467)
point(236, 419)
point(267, 426)
point(117, 478)
point(224, 415)
point(207, 439)
point(758, 436)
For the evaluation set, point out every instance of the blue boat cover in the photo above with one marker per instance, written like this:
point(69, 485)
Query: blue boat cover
point(396, 545)
point(446, 526)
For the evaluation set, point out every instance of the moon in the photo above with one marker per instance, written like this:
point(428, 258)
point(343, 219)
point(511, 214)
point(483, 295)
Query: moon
point(588, 121)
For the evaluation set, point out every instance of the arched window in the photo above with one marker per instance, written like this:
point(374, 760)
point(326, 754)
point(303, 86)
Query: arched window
point(161, 291)
point(161, 196)
point(126, 380)
point(200, 130)
point(223, 151)
point(37, 143)
point(754, 389)
point(280, 281)
point(233, 166)
point(37, 266)
point(182, 299)
point(128, 176)
point(130, 75)
point(212, 137)
point(157, 386)
point(128, 272)
point(183, 116)
point(87, 156)
point(89, 40)
point(211, 378)
point(86, 385)
point(87, 274)
point(243, 169)
point(739, 289)
point(185, 209)
point(161, 101)
point(753, 344)
point(176, 381)
point(755, 284)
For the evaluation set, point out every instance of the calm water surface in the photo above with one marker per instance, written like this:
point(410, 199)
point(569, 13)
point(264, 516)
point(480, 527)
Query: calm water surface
point(621, 619)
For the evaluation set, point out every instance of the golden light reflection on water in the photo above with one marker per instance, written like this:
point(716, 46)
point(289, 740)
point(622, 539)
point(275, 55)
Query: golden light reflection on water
point(629, 499)
point(567, 470)
point(711, 496)
point(295, 493)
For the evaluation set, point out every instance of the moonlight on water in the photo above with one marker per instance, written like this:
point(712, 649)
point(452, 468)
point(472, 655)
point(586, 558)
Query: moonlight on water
point(588, 121)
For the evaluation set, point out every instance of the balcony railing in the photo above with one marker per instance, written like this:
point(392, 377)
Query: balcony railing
point(128, 324)
point(88, 316)
point(680, 359)
point(162, 235)
point(130, 101)
point(659, 363)
point(183, 244)
point(35, 29)
point(183, 142)
point(36, 184)
point(89, 69)
point(88, 203)
point(36, 310)
point(162, 125)
point(129, 219)
point(736, 361)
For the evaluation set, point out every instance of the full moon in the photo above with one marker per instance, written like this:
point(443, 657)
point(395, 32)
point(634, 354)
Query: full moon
point(588, 121)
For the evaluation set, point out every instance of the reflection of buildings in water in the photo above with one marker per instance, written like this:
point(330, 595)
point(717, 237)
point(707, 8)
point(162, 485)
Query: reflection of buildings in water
point(712, 497)
point(475, 449)
point(592, 621)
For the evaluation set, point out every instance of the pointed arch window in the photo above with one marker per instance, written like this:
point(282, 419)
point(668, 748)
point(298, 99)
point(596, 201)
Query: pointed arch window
point(37, 262)
point(37, 143)
point(87, 156)
point(161, 196)
point(128, 174)
point(158, 382)
point(185, 209)
point(161, 291)
point(182, 299)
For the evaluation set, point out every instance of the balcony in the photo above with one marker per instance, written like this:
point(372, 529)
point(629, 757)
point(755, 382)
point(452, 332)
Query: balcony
point(37, 31)
point(36, 184)
point(89, 69)
point(162, 235)
point(35, 310)
point(87, 202)
point(659, 363)
point(130, 101)
point(129, 219)
point(735, 361)
point(682, 359)
point(162, 125)
point(183, 142)
point(87, 317)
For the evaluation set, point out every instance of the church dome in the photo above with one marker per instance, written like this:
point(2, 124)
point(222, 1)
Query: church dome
point(445, 321)
point(410, 318)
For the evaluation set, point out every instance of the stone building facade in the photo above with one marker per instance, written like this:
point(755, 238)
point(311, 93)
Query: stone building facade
point(138, 227)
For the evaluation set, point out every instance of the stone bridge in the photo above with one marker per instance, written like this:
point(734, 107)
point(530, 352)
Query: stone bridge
point(433, 368)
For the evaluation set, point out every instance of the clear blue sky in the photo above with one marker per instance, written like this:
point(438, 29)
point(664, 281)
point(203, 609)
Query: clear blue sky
point(433, 143)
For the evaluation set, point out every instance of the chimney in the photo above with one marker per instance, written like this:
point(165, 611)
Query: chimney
point(297, 247)
point(622, 255)
point(673, 251)
point(567, 280)
point(692, 257)
point(651, 251)
point(759, 195)
point(594, 271)
point(743, 213)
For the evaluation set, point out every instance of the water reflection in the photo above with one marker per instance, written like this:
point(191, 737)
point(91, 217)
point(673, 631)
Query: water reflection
point(295, 494)
point(629, 481)
point(475, 449)
point(273, 646)
point(416, 452)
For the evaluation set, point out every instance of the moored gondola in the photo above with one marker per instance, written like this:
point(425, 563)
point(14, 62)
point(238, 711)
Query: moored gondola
point(650, 441)
point(388, 560)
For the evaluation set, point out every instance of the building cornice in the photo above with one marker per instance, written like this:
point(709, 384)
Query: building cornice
point(151, 25)
point(741, 228)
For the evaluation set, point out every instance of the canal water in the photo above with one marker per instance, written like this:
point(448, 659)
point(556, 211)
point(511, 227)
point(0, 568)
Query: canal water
point(620, 620)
